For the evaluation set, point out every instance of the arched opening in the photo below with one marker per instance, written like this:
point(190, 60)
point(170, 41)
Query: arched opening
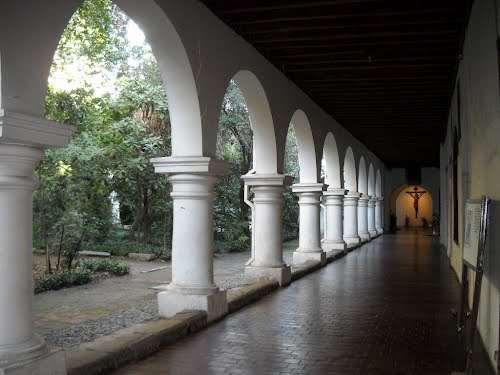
point(101, 192)
point(291, 167)
point(300, 163)
point(261, 122)
point(300, 130)
point(1, 79)
point(350, 182)
point(176, 72)
point(330, 163)
point(362, 179)
point(371, 181)
point(330, 172)
point(378, 185)
point(234, 145)
point(411, 206)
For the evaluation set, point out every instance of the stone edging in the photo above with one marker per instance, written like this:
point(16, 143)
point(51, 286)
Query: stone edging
point(139, 341)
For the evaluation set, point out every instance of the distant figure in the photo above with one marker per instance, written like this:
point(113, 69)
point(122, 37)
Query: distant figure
point(416, 195)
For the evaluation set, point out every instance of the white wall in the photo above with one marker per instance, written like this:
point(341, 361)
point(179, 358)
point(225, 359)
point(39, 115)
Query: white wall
point(479, 156)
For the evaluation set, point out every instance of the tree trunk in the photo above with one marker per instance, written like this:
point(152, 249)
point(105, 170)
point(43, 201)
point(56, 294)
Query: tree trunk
point(59, 253)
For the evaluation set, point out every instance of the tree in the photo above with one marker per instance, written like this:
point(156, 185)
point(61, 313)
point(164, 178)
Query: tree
point(291, 168)
point(234, 144)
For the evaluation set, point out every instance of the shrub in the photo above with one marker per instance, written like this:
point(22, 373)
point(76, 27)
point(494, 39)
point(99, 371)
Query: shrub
point(234, 238)
point(113, 266)
point(63, 279)
point(118, 248)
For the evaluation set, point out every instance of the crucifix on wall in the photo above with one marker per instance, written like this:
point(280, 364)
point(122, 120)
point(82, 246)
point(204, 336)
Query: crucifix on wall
point(416, 195)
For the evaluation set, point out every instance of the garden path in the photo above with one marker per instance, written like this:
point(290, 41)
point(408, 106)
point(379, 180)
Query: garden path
point(68, 317)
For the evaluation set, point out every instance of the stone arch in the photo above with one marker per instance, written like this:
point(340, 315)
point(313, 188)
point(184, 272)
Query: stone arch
point(362, 178)
point(307, 153)
point(261, 122)
point(371, 181)
point(176, 71)
point(350, 181)
point(332, 162)
point(378, 184)
point(27, 82)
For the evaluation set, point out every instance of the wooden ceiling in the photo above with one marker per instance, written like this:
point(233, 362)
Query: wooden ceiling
point(383, 69)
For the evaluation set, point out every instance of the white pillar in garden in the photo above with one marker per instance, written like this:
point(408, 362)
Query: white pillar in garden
point(351, 236)
point(22, 139)
point(309, 224)
point(333, 201)
point(267, 232)
point(363, 218)
point(371, 217)
point(192, 286)
point(379, 211)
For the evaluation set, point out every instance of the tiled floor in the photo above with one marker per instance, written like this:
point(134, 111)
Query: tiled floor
point(384, 309)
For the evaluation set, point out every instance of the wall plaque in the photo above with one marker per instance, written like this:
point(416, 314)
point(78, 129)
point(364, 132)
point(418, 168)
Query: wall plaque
point(472, 229)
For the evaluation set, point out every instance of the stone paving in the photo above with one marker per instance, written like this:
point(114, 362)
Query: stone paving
point(72, 316)
point(384, 309)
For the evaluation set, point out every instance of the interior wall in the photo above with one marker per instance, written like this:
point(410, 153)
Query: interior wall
point(396, 179)
point(405, 207)
point(475, 115)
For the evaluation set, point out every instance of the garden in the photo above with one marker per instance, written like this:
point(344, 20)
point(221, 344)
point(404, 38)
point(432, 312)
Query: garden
point(100, 193)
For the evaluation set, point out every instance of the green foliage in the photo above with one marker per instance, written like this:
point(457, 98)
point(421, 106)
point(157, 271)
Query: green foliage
point(95, 32)
point(234, 144)
point(63, 279)
point(291, 205)
point(117, 133)
point(113, 266)
point(123, 248)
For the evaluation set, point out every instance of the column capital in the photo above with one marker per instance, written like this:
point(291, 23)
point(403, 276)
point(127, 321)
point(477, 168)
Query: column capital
point(17, 165)
point(190, 165)
point(364, 198)
point(264, 179)
point(334, 191)
point(34, 131)
point(308, 188)
point(353, 195)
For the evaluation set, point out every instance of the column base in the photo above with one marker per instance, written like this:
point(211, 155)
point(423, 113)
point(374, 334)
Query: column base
point(171, 302)
point(352, 242)
point(333, 248)
point(51, 363)
point(373, 233)
point(281, 274)
point(301, 257)
point(365, 237)
point(380, 231)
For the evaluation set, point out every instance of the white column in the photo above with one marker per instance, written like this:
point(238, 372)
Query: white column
point(192, 286)
point(21, 351)
point(371, 218)
point(363, 218)
point(379, 209)
point(333, 200)
point(267, 231)
point(351, 237)
point(309, 230)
